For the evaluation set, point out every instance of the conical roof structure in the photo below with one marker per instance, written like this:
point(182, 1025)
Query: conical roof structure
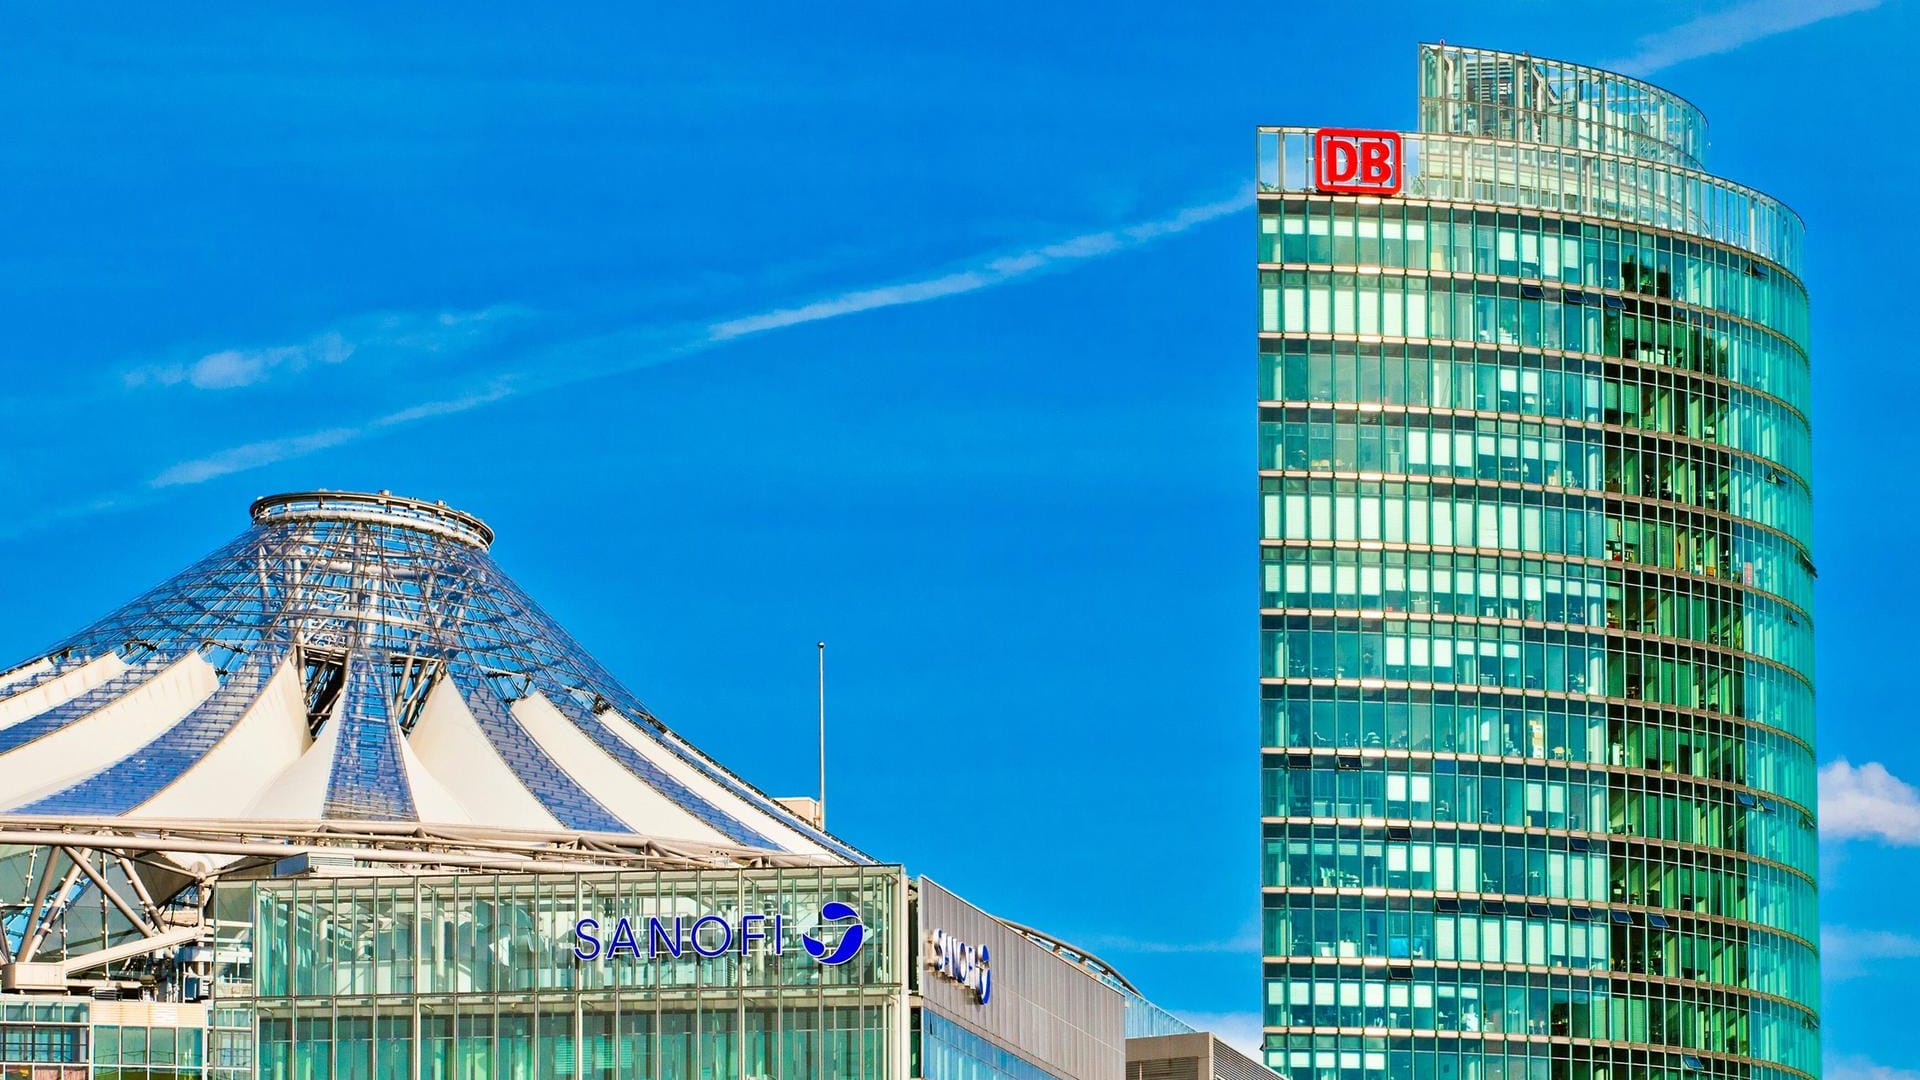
point(362, 658)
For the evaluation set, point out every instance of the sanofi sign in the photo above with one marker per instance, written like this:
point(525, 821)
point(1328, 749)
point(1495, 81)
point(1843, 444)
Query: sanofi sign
point(708, 936)
point(951, 958)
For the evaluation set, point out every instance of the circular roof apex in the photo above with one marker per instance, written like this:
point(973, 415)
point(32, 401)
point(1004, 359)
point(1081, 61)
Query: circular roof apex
point(381, 508)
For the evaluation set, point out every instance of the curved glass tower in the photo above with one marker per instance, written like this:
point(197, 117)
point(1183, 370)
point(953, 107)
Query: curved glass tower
point(1537, 700)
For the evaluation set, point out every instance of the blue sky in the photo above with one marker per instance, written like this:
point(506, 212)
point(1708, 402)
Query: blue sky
point(925, 330)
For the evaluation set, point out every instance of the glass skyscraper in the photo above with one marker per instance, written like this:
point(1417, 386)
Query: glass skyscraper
point(1536, 634)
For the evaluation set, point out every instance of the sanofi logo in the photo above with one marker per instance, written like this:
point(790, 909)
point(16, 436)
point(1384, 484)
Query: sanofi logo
point(850, 938)
point(710, 936)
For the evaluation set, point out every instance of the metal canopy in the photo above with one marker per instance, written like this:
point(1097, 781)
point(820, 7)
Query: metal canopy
point(360, 658)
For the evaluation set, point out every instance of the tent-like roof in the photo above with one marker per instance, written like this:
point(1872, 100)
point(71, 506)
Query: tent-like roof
point(358, 657)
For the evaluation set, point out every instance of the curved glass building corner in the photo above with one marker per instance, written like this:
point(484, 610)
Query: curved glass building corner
point(1536, 587)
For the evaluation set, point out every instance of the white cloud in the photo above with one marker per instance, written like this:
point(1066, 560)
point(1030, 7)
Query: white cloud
point(1867, 801)
point(230, 369)
point(427, 410)
point(994, 271)
point(252, 455)
point(626, 350)
point(233, 369)
point(1728, 29)
point(567, 363)
point(50, 516)
point(1859, 1068)
point(1240, 1030)
point(1846, 953)
point(258, 455)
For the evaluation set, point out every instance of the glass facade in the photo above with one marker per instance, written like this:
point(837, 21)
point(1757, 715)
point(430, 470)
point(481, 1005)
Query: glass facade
point(45, 1040)
point(483, 977)
point(84, 1040)
point(1536, 589)
point(1145, 1020)
point(135, 1052)
point(949, 1051)
point(736, 973)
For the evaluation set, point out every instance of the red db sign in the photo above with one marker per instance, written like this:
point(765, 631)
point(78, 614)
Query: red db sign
point(1356, 162)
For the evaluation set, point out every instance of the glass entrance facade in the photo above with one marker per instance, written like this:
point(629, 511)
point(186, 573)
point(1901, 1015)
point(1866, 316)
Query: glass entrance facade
point(349, 966)
point(1536, 590)
point(531, 977)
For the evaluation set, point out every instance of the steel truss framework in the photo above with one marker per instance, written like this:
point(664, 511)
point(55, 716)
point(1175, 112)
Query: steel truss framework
point(378, 600)
point(145, 884)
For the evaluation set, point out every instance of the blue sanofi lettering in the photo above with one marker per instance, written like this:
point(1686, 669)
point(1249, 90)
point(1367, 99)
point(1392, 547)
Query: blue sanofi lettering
point(707, 936)
point(965, 964)
point(710, 936)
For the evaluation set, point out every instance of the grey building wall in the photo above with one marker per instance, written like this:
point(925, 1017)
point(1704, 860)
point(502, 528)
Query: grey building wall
point(1196, 1056)
point(1231, 1064)
point(1043, 1008)
point(1171, 1057)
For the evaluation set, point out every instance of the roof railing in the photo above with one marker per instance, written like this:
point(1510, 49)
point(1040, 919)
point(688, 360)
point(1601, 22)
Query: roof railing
point(382, 507)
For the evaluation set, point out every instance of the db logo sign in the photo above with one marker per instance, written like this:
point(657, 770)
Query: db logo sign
point(1356, 162)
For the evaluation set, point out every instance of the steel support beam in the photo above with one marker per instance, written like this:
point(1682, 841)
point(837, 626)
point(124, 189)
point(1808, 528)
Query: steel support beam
point(112, 894)
point(139, 888)
point(145, 946)
point(43, 924)
point(40, 891)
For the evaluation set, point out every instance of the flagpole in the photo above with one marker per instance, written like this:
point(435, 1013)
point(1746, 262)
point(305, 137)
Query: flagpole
point(822, 811)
